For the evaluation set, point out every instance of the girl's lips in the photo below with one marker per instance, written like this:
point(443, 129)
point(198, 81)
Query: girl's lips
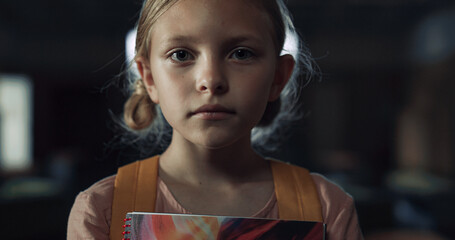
point(213, 112)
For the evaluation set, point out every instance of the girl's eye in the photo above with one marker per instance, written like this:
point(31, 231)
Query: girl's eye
point(242, 54)
point(181, 56)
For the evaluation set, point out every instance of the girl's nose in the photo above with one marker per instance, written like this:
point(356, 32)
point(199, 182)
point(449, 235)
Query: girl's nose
point(212, 79)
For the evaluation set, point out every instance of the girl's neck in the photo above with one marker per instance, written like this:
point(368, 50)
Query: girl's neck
point(193, 164)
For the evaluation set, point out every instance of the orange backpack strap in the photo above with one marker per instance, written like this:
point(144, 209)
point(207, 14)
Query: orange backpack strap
point(136, 183)
point(134, 190)
point(296, 193)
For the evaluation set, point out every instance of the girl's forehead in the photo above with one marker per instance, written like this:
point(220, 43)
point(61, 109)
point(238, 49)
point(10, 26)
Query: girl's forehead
point(188, 17)
point(228, 10)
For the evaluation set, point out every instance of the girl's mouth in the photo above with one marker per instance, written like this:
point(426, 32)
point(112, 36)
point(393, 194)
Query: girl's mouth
point(213, 112)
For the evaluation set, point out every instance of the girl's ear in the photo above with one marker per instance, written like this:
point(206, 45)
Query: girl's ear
point(143, 67)
point(283, 72)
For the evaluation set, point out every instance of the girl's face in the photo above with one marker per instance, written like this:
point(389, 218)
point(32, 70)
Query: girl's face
point(213, 67)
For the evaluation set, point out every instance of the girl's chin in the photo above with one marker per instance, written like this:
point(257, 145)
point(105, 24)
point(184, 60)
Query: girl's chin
point(215, 138)
point(216, 145)
point(217, 142)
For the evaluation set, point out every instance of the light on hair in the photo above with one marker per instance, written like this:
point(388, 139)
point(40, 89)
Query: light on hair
point(130, 52)
point(291, 45)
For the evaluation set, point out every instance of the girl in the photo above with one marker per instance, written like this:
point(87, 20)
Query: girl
point(216, 71)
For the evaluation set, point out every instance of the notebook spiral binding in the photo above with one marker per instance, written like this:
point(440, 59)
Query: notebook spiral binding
point(127, 226)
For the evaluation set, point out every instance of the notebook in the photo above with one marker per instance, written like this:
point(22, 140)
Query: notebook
point(150, 226)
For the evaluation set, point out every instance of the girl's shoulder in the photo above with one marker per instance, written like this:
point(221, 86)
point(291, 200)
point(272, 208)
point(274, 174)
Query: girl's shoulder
point(103, 187)
point(333, 198)
point(338, 209)
point(99, 195)
point(329, 190)
point(90, 216)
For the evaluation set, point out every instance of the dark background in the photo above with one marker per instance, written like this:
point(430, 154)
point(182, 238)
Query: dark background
point(74, 50)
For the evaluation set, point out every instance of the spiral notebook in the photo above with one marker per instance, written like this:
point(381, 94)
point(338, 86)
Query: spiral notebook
point(150, 226)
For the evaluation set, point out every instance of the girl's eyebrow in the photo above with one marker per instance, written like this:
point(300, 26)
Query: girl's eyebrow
point(230, 41)
point(178, 39)
point(241, 39)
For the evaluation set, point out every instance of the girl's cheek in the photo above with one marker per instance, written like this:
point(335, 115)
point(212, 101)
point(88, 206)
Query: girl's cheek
point(177, 73)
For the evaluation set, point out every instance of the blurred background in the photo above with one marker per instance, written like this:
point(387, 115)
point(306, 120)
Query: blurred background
point(381, 122)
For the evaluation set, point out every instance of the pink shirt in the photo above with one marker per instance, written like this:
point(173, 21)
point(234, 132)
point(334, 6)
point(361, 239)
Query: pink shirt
point(90, 217)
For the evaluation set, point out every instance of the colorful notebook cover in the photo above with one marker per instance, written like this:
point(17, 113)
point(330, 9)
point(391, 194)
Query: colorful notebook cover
point(150, 226)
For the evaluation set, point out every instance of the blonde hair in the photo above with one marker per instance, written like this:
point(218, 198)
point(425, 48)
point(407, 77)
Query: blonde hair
point(139, 110)
point(144, 117)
